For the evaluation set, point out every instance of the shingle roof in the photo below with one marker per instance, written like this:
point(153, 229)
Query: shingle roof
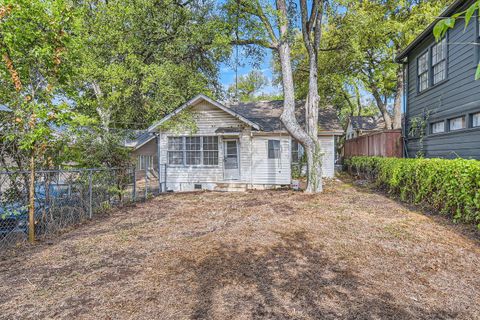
point(267, 115)
point(138, 138)
point(366, 123)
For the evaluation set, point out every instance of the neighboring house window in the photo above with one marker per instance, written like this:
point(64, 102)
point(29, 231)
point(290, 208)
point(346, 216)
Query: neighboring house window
point(423, 72)
point(438, 127)
point(175, 150)
point(273, 149)
point(476, 119)
point(439, 61)
point(456, 123)
point(144, 162)
point(210, 151)
point(193, 151)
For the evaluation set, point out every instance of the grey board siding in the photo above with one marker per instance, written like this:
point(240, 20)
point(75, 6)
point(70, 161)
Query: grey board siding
point(458, 95)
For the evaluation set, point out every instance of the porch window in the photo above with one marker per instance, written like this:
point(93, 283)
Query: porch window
point(175, 150)
point(210, 151)
point(456, 123)
point(193, 151)
point(273, 149)
point(476, 119)
point(438, 127)
point(423, 73)
point(439, 61)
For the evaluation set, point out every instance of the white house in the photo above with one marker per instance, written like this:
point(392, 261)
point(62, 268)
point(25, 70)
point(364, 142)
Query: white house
point(242, 146)
point(362, 125)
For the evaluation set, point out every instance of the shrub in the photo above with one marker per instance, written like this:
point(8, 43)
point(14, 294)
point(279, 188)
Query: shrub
point(452, 187)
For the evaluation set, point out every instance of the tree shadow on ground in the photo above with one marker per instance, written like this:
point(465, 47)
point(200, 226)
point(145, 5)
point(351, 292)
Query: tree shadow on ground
point(293, 279)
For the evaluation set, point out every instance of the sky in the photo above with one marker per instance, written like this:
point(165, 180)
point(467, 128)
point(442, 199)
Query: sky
point(227, 73)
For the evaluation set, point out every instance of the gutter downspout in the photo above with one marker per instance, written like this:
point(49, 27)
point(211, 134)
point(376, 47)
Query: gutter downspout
point(160, 188)
point(405, 107)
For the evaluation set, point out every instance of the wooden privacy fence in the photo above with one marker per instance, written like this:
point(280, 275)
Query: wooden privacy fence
point(388, 143)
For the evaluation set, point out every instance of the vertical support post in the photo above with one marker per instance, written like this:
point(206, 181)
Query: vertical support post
point(165, 178)
point(134, 193)
point(90, 202)
point(31, 200)
point(159, 172)
point(146, 183)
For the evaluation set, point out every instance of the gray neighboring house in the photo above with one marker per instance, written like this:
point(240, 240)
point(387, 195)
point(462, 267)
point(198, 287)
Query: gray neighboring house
point(362, 125)
point(234, 147)
point(441, 94)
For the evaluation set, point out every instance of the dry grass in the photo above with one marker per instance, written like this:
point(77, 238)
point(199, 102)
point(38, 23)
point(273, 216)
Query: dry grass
point(347, 253)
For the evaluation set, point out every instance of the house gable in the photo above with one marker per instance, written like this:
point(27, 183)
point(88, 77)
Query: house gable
point(208, 114)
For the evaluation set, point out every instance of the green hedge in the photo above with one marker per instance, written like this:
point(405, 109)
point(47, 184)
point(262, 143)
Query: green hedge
point(450, 186)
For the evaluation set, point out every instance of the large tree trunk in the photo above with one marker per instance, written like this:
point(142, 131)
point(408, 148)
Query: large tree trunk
point(397, 105)
point(308, 138)
point(382, 106)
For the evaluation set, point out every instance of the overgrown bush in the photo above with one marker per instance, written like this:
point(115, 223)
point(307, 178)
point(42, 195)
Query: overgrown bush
point(450, 186)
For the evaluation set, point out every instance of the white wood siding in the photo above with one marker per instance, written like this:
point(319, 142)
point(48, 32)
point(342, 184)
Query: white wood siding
point(271, 171)
point(327, 143)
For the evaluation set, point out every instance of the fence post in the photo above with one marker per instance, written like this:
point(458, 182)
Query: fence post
point(146, 183)
point(90, 203)
point(134, 195)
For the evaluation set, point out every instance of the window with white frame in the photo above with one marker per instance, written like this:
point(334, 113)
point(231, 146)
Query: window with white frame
point(273, 149)
point(476, 119)
point(456, 123)
point(175, 150)
point(193, 151)
point(423, 73)
point(438, 127)
point(210, 151)
point(439, 61)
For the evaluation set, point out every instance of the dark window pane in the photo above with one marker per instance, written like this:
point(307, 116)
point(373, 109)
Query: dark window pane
point(273, 149)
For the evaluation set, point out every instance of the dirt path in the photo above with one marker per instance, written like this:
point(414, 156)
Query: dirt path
point(347, 253)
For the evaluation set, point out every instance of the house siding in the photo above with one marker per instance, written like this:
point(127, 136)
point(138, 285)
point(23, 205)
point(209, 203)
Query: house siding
point(458, 95)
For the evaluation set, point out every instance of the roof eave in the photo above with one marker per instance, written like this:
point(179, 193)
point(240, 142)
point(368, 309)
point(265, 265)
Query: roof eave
point(446, 13)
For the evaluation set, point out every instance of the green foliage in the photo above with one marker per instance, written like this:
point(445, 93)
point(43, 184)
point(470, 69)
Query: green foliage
point(450, 186)
point(248, 86)
point(140, 59)
point(442, 26)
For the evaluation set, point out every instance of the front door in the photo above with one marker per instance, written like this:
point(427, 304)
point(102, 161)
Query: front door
point(231, 167)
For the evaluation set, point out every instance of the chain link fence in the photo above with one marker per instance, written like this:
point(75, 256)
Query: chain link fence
point(65, 198)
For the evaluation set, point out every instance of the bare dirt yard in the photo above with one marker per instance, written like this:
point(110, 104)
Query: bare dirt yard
point(349, 253)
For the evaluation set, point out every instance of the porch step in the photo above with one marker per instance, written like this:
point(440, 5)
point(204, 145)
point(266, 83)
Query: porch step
point(231, 187)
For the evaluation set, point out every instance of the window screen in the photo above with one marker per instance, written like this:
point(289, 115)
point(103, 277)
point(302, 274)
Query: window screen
point(175, 150)
point(423, 72)
point(438, 127)
point(476, 119)
point(193, 151)
point(273, 149)
point(210, 151)
point(439, 61)
point(456, 123)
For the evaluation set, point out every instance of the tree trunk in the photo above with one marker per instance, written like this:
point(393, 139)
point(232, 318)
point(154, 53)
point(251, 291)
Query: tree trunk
point(308, 138)
point(383, 109)
point(31, 199)
point(397, 106)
